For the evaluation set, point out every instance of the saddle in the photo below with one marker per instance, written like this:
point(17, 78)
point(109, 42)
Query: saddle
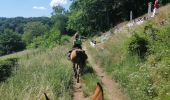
point(69, 52)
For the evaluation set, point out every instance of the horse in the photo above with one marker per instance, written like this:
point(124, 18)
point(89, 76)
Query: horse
point(98, 94)
point(78, 58)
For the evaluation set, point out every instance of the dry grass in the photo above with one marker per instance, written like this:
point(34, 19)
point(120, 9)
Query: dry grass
point(39, 71)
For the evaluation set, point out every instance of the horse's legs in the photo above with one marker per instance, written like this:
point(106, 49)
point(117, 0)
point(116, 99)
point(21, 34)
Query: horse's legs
point(81, 68)
point(74, 69)
point(78, 73)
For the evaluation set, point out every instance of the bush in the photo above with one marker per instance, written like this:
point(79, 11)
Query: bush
point(10, 42)
point(64, 39)
point(137, 45)
point(6, 68)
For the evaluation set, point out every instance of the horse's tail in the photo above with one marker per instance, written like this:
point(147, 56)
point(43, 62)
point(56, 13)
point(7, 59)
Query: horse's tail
point(85, 55)
point(98, 94)
point(46, 97)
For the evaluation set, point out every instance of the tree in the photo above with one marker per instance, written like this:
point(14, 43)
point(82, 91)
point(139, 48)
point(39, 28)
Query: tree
point(33, 30)
point(59, 19)
point(10, 42)
point(91, 16)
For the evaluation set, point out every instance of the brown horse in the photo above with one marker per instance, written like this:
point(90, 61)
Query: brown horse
point(78, 58)
point(98, 94)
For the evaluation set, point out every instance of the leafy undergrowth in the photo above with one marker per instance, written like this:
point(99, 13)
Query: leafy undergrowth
point(143, 76)
point(6, 67)
point(39, 71)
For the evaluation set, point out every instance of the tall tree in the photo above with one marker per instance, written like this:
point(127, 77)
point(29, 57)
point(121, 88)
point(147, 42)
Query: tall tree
point(33, 30)
point(59, 19)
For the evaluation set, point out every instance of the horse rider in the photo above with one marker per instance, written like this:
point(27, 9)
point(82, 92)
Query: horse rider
point(76, 44)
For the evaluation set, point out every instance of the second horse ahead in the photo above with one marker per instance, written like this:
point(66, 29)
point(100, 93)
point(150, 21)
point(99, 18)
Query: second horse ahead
point(78, 58)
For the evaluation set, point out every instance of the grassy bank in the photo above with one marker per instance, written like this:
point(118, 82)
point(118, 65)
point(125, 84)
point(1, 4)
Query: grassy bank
point(39, 71)
point(141, 77)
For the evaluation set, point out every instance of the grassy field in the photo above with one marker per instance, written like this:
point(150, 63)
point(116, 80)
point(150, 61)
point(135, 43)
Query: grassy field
point(39, 71)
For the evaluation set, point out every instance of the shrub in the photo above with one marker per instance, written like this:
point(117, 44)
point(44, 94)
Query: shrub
point(6, 68)
point(64, 39)
point(137, 45)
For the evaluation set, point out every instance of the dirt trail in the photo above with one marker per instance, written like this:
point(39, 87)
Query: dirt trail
point(112, 92)
point(78, 93)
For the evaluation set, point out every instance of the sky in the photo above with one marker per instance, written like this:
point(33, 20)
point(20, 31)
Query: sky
point(30, 8)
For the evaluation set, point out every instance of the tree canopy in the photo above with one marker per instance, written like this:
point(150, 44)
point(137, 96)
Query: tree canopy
point(90, 16)
point(10, 42)
point(84, 16)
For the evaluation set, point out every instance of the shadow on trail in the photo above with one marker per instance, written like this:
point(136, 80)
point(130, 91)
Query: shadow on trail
point(88, 69)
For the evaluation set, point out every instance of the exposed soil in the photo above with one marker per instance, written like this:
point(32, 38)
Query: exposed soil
point(111, 90)
point(78, 93)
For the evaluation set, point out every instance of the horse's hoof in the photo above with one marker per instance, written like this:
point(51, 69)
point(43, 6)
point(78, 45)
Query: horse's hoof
point(75, 75)
point(77, 80)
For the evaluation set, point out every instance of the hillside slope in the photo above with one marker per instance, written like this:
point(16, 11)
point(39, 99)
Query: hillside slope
point(37, 72)
point(138, 57)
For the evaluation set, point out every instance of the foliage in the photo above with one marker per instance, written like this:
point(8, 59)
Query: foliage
point(32, 30)
point(64, 39)
point(6, 68)
point(17, 24)
point(39, 71)
point(52, 38)
point(59, 18)
point(137, 45)
point(91, 16)
point(57, 34)
point(10, 42)
point(37, 42)
point(141, 79)
point(84, 16)
point(13, 29)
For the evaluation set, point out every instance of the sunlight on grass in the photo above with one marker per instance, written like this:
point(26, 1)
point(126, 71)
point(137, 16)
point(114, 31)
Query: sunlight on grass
point(39, 71)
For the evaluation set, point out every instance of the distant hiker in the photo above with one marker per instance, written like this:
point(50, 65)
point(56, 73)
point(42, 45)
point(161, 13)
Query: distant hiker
point(93, 43)
point(155, 8)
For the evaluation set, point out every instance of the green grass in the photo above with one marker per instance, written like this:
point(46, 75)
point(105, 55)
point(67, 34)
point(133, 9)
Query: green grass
point(88, 81)
point(6, 67)
point(42, 70)
point(39, 71)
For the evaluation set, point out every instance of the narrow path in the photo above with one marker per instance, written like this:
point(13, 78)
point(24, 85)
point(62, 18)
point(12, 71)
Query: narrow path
point(77, 89)
point(112, 91)
point(78, 93)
